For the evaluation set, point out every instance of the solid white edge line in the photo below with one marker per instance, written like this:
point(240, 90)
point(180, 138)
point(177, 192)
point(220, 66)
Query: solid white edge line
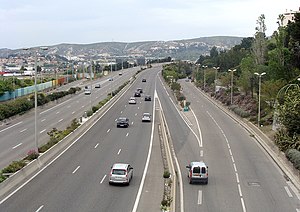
point(138, 196)
point(177, 165)
point(199, 142)
point(102, 179)
point(199, 130)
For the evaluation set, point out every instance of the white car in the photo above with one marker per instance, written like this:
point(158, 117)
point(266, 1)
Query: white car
point(132, 100)
point(121, 173)
point(146, 117)
point(197, 172)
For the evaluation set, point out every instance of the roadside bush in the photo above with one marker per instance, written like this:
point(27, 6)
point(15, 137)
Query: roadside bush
point(2, 177)
point(14, 167)
point(166, 174)
point(293, 155)
point(95, 108)
point(89, 113)
point(285, 142)
point(31, 155)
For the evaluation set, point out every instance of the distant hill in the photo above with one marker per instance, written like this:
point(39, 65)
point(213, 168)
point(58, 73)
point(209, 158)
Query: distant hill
point(189, 49)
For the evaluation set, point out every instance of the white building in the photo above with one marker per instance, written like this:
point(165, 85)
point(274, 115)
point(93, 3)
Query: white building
point(289, 16)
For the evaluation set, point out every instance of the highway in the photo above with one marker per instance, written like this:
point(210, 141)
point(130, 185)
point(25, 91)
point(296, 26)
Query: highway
point(17, 136)
point(242, 177)
point(78, 179)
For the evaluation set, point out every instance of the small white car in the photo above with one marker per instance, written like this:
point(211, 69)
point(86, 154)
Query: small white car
point(132, 100)
point(121, 173)
point(146, 117)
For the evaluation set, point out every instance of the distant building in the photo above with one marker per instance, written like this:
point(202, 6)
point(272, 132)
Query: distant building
point(289, 16)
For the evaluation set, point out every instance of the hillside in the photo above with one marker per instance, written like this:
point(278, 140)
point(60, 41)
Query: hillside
point(180, 49)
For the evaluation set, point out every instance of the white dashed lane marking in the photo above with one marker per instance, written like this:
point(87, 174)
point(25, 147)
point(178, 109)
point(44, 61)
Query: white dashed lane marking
point(75, 170)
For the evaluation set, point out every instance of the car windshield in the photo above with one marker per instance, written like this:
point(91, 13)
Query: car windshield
point(119, 172)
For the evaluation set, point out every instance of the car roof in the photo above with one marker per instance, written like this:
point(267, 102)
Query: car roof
point(146, 114)
point(132, 97)
point(122, 118)
point(198, 163)
point(120, 166)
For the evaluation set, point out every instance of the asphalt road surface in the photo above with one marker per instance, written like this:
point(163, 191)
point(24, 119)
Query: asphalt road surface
point(17, 135)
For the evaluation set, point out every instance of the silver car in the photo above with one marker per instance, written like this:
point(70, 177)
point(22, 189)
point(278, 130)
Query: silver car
point(132, 100)
point(121, 173)
point(146, 117)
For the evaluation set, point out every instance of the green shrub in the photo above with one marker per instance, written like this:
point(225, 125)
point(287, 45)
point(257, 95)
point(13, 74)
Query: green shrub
point(89, 113)
point(31, 155)
point(14, 167)
point(166, 174)
point(2, 177)
point(293, 155)
point(285, 142)
point(95, 108)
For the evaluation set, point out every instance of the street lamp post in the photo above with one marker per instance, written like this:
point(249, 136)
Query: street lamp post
point(259, 85)
point(204, 67)
point(111, 93)
point(35, 95)
point(14, 86)
point(91, 70)
point(216, 72)
point(231, 92)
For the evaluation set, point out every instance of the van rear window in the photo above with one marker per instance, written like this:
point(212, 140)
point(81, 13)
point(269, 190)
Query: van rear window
point(119, 172)
point(196, 170)
point(203, 170)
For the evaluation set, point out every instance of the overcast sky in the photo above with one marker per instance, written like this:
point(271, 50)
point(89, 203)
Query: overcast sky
point(29, 23)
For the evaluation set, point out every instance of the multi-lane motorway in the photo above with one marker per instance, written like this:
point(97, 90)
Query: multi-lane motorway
point(242, 177)
point(17, 135)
